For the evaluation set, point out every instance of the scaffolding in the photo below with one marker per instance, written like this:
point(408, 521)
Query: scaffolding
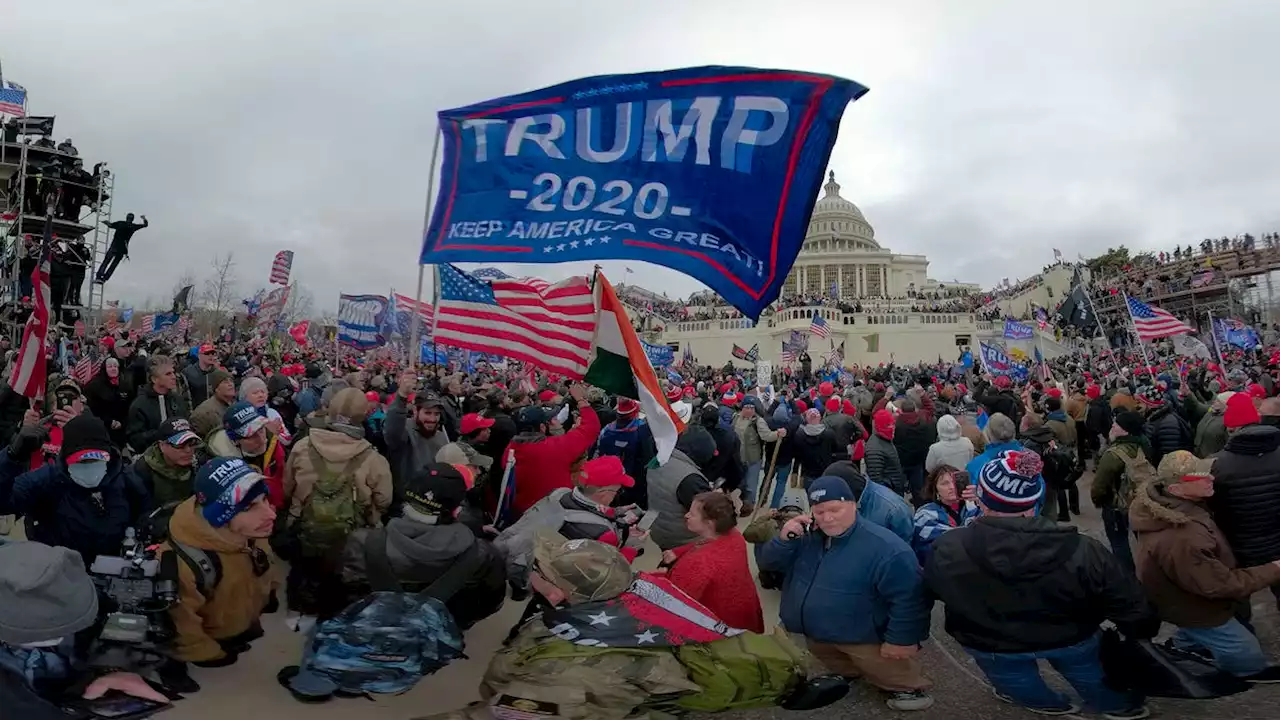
point(22, 225)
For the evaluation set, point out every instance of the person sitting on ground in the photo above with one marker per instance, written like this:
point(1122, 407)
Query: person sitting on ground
point(245, 434)
point(225, 576)
point(207, 416)
point(422, 543)
point(1018, 587)
point(950, 503)
point(156, 402)
point(1190, 572)
point(853, 590)
point(714, 569)
point(166, 468)
point(84, 500)
point(49, 600)
point(334, 482)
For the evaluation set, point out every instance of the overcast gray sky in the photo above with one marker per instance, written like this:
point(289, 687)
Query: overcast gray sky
point(993, 132)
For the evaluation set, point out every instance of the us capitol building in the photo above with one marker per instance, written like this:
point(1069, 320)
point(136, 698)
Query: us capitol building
point(882, 305)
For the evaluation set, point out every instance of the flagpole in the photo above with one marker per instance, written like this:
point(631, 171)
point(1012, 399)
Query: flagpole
point(1141, 345)
point(416, 351)
point(1097, 323)
point(1213, 331)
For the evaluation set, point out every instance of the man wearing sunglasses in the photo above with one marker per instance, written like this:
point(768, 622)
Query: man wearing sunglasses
point(225, 579)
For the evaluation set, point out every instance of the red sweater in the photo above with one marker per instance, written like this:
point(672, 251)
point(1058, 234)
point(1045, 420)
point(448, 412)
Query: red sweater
point(716, 573)
point(543, 465)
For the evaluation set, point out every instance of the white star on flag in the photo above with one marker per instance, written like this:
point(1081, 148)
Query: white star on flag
point(648, 636)
point(601, 618)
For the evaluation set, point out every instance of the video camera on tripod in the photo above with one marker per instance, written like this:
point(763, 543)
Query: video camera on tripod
point(141, 589)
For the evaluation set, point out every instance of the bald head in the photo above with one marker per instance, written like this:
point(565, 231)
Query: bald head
point(1270, 406)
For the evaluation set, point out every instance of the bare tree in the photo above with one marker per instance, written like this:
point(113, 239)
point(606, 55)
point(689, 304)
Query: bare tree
point(219, 292)
point(300, 305)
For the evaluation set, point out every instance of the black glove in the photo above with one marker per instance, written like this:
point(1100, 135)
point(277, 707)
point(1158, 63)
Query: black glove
point(224, 661)
point(273, 604)
point(28, 439)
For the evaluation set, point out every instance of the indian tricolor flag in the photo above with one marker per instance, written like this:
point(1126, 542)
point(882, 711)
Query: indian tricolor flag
point(620, 366)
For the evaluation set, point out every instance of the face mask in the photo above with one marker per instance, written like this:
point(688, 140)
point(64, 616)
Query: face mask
point(88, 475)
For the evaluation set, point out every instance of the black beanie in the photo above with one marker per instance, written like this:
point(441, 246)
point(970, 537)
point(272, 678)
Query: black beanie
point(698, 444)
point(1131, 422)
point(848, 472)
point(84, 432)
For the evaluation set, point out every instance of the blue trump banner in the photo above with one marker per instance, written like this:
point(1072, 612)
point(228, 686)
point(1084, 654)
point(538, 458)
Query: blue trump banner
point(1018, 331)
point(1234, 332)
point(361, 319)
point(994, 360)
point(659, 355)
point(712, 171)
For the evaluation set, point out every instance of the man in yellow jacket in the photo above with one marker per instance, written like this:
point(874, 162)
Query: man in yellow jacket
point(225, 572)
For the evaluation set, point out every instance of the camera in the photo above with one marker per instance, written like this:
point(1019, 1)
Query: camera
point(139, 589)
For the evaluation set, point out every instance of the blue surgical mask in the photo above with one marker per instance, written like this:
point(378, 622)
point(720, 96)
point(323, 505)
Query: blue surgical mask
point(87, 475)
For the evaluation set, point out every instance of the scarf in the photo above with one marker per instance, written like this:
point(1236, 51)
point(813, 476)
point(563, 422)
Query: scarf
point(592, 505)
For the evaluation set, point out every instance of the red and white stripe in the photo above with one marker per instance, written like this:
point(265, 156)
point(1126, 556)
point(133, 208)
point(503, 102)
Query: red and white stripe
point(29, 368)
point(422, 309)
point(550, 326)
point(281, 266)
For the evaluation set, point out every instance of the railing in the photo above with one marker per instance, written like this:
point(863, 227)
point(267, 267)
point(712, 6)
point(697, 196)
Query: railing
point(801, 318)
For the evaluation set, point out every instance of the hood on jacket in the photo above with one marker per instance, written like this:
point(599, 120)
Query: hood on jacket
point(813, 431)
point(429, 544)
point(1020, 548)
point(189, 527)
point(948, 428)
point(1253, 440)
point(697, 445)
point(154, 458)
point(1152, 510)
point(336, 446)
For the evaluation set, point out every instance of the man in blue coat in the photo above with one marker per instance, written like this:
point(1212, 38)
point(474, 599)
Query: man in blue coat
point(84, 500)
point(853, 589)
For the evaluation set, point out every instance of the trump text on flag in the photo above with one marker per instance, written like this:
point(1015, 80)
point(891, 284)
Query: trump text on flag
point(711, 171)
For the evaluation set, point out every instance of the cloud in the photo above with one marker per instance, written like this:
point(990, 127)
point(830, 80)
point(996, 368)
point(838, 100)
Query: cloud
point(994, 131)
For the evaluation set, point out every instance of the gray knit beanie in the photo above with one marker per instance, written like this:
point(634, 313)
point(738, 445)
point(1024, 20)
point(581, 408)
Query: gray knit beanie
point(45, 592)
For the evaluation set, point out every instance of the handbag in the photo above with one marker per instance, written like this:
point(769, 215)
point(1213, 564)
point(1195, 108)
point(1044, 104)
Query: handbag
point(1141, 666)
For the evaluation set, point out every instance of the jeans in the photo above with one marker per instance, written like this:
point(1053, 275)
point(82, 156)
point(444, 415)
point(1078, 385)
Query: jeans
point(1116, 524)
point(779, 485)
point(751, 482)
point(1234, 648)
point(1017, 676)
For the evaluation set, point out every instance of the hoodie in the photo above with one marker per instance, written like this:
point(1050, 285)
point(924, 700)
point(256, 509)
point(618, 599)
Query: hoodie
point(815, 448)
point(952, 448)
point(1185, 564)
point(338, 446)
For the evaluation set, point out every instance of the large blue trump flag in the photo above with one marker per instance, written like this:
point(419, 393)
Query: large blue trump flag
point(712, 171)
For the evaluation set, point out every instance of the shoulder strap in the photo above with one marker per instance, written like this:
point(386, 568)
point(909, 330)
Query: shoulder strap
point(455, 578)
point(207, 567)
point(378, 563)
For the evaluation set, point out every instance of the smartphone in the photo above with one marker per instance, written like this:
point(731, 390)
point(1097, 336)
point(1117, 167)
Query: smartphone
point(646, 522)
point(961, 479)
point(118, 706)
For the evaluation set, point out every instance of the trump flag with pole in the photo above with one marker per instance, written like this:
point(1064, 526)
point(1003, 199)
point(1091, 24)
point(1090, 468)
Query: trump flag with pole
point(711, 171)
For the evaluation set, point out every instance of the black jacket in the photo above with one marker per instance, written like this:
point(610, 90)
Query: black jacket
point(913, 436)
point(143, 426)
point(1097, 419)
point(1016, 585)
point(726, 463)
point(1167, 432)
point(109, 402)
point(1246, 494)
point(1005, 403)
point(813, 452)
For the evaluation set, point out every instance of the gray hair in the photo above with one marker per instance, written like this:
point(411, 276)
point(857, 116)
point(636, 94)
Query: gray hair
point(249, 385)
point(157, 364)
point(1000, 429)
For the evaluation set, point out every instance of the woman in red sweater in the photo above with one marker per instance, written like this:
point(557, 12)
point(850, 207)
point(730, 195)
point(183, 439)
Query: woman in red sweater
point(713, 569)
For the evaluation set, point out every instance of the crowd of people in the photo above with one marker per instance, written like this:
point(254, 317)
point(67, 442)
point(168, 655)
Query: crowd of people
point(869, 496)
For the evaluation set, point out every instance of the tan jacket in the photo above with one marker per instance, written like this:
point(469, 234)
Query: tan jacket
point(233, 606)
point(372, 477)
point(1076, 406)
point(207, 417)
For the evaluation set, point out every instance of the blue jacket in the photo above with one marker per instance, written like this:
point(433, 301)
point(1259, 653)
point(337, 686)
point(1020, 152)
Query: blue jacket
point(726, 417)
point(934, 519)
point(865, 589)
point(59, 512)
point(887, 509)
point(993, 449)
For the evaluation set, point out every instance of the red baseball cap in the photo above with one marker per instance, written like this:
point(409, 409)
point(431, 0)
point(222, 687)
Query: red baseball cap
point(606, 471)
point(546, 396)
point(627, 406)
point(206, 348)
point(475, 421)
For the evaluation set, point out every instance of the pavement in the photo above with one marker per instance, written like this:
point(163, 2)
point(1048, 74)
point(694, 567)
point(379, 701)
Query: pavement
point(248, 689)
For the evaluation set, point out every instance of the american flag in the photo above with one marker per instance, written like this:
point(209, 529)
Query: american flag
point(184, 324)
point(819, 326)
point(422, 309)
point(148, 323)
point(13, 100)
point(788, 353)
point(84, 369)
point(1152, 323)
point(281, 266)
point(490, 273)
point(29, 368)
point(550, 326)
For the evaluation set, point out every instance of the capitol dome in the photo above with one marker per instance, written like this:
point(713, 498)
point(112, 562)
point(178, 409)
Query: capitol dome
point(835, 217)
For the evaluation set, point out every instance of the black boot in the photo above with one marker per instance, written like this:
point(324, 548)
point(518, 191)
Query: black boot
point(174, 676)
